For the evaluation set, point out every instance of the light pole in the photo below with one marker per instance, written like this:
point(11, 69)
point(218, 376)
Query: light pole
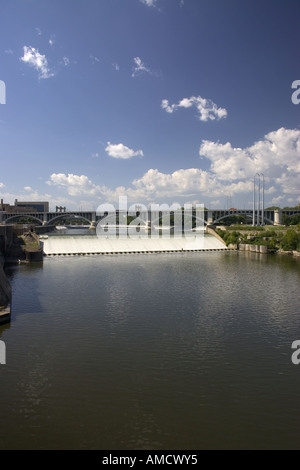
point(263, 199)
point(261, 190)
point(253, 219)
point(258, 202)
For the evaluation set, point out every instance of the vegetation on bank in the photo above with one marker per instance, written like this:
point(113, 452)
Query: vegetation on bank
point(275, 238)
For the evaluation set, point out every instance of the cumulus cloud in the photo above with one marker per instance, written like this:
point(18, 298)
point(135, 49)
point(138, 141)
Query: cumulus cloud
point(181, 182)
point(277, 156)
point(121, 151)
point(39, 62)
point(74, 184)
point(207, 109)
point(139, 67)
point(230, 171)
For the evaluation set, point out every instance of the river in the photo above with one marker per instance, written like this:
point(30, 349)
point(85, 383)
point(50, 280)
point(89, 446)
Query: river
point(152, 351)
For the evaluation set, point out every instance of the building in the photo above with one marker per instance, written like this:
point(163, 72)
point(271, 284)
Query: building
point(25, 207)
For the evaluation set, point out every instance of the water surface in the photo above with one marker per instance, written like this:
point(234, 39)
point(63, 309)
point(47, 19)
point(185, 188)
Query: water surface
point(160, 351)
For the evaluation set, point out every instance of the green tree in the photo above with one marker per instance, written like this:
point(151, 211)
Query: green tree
point(291, 241)
point(291, 219)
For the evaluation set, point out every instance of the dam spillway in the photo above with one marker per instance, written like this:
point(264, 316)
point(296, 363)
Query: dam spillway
point(91, 244)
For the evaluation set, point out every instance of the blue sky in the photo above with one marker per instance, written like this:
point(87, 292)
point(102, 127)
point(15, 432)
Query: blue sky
point(157, 100)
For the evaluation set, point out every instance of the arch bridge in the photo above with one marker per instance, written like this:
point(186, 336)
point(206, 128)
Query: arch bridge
point(273, 217)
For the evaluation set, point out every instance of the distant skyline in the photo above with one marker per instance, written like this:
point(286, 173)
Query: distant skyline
point(157, 100)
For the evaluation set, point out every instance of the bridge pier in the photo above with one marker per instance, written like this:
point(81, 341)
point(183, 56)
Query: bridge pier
point(93, 222)
point(210, 218)
point(277, 217)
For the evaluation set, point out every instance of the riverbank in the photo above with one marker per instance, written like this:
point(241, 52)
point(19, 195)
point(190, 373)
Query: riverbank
point(266, 240)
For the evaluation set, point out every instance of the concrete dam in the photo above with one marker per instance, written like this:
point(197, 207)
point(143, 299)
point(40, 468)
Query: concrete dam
point(90, 244)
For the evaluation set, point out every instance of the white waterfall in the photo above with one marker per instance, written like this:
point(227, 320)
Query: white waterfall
point(91, 244)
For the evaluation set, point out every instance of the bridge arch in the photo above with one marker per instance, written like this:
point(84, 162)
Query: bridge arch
point(194, 217)
point(249, 216)
point(65, 215)
point(20, 216)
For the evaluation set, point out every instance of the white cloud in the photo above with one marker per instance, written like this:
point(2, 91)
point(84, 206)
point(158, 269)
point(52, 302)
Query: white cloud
point(149, 3)
point(33, 58)
point(2, 185)
point(139, 67)
point(9, 51)
point(153, 3)
point(116, 67)
point(231, 171)
point(206, 108)
point(66, 61)
point(74, 184)
point(216, 203)
point(52, 40)
point(226, 162)
point(94, 58)
point(121, 151)
point(277, 156)
point(181, 182)
point(38, 31)
point(276, 201)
